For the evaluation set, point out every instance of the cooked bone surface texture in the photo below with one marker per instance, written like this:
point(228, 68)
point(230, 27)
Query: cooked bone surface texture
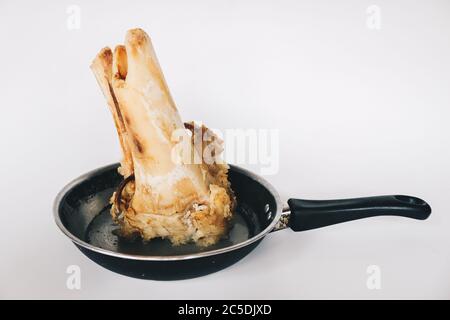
point(102, 69)
point(181, 201)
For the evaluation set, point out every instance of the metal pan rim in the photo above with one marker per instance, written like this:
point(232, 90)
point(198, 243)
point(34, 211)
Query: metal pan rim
point(237, 246)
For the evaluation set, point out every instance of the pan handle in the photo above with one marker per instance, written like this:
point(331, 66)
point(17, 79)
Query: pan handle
point(312, 214)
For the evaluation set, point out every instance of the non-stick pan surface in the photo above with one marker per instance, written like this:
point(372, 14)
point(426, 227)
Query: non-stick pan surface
point(82, 213)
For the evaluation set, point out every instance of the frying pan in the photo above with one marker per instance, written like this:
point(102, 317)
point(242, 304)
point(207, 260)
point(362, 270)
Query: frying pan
point(81, 211)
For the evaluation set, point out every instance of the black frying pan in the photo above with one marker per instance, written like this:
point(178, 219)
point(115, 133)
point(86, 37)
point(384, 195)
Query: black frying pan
point(82, 213)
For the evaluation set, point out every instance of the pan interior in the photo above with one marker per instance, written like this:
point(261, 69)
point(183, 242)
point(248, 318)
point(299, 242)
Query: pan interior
point(84, 211)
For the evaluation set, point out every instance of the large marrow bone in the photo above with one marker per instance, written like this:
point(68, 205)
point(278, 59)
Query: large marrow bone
point(150, 117)
point(176, 200)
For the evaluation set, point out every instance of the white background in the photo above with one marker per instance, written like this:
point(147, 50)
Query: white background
point(360, 112)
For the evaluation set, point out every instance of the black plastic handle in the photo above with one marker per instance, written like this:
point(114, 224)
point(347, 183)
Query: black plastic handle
point(312, 214)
